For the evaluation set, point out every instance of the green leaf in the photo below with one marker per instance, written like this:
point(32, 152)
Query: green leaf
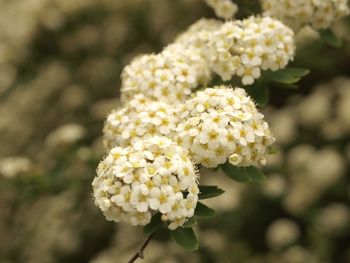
point(259, 92)
point(255, 174)
point(249, 174)
point(286, 75)
point(185, 237)
point(328, 37)
point(203, 211)
point(190, 222)
point(152, 226)
point(235, 173)
point(209, 191)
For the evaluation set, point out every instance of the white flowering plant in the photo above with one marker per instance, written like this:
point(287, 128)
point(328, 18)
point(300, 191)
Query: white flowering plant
point(318, 14)
point(196, 105)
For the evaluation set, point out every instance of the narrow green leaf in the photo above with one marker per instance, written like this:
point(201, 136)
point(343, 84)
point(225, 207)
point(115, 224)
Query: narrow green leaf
point(286, 75)
point(235, 173)
point(190, 222)
point(185, 237)
point(249, 174)
point(209, 191)
point(152, 226)
point(255, 174)
point(203, 211)
point(328, 37)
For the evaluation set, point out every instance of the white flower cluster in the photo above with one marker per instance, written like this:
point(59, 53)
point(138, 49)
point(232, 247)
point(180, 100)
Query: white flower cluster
point(168, 76)
point(150, 176)
point(194, 41)
point(245, 47)
point(320, 14)
point(241, 47)
point(223, 8)
point(140, 119)
point(307, 181)
point(325, 111)
point(161, 133)
point(220, 124)
point(198, 34)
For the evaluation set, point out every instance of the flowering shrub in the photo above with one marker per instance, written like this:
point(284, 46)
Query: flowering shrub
point(172, 121)
point(59, 71)
point(320, 14)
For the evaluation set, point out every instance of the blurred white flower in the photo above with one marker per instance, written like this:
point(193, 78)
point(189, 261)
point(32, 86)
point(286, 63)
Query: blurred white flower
point(320, 14)
point(223, 8)
point(315, 109)
point(311, 172)
point(305, 36)
point(299, 157)
point(283, 124)
point(13, 166)
point(298, 254)
point(282, 232)
point(65, 135)
point(326, 167)
point(232, 198)
point(334, 218)
point(275, 186)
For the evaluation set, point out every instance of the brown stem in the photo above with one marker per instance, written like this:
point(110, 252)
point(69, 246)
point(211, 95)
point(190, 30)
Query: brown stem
point(139, 254)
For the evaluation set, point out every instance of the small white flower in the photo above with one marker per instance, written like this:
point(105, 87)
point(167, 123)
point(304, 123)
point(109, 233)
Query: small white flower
point(138, 218)
point(139, 198)
point(178, 222)
point(223, 8)
point(235, 159)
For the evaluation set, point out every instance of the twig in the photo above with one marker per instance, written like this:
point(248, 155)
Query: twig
point(139, 254)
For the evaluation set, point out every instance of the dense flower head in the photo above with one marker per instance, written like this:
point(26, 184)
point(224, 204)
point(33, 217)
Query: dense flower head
point(194, 44)
point(194, 58)
point(198, 33)
point(149, 176)
point(223, 8)
point(320, 14)
point(140, 118)
point(245, 47)
point(168, 76)
point(223, 123)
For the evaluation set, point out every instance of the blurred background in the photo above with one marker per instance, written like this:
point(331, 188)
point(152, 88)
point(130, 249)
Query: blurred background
point(60, 62)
